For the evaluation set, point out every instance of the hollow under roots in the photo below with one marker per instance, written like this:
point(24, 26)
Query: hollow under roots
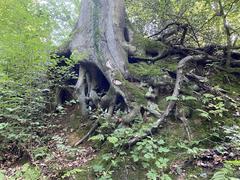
point(93, 90)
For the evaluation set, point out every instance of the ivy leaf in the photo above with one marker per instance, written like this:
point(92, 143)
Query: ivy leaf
point(147, 156)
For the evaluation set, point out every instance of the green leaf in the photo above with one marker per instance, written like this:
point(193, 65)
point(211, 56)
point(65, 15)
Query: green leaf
point(107, 156)
point(98, 137)
point(135, 157)
point(165, 177)
point(152, 175)
point(112, 140)
point(163, 150)
point(72, 172)
point(204, 114)
point(234, 162)
point(189, 98)
point(3, 125)
point(161, 162)
point(98, 168)
point(2, 176)
point(171, 98)
point(160, 142)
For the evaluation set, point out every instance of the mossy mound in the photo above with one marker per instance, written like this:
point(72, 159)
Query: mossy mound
point(143, 69)
point(137, 93)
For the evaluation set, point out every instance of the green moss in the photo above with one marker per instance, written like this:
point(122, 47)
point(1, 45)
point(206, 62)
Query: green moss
point(143, 69)
point(226, 81)
point(162, 103)
point(136, 93)
point(144, 44)
point(119, 77)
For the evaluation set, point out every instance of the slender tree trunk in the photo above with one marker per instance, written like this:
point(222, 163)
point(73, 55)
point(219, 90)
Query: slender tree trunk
point(228, 33)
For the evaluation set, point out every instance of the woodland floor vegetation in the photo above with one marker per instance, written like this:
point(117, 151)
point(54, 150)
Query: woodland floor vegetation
point(137, 90)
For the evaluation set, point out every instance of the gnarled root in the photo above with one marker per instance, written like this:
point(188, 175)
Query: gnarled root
point(171, 104)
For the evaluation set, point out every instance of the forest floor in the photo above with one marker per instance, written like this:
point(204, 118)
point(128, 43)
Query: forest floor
point(54, 157)
point(58, 156)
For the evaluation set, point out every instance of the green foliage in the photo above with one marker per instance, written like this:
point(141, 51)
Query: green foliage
point(24, 40)
point(40, 152)
point(26, 31)
point(72, 173)
point(190, 149)
point(227, 172)
point(171, 98)
point(213, 106)
point(24, 47)
point(232, 135)
point(97, 138)
point(28, 172)
point(63, 15)
point(113, 140)
point(188, 98)
point(2, 176)
point(206, 26)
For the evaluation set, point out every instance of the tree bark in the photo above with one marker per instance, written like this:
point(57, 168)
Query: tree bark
point(101, 34)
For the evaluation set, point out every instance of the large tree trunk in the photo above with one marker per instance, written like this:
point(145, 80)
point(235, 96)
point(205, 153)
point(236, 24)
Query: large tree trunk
point(101, 33)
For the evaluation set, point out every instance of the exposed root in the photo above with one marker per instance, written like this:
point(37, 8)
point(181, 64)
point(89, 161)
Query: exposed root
point(183, 51)
point(171, 104)
point(90, 132)
point(187, 127)
point(182, 117)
